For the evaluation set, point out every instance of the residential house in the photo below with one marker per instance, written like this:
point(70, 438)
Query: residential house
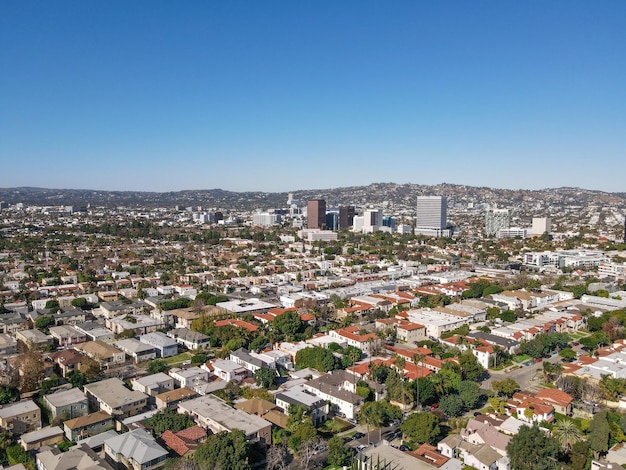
point(164, 345)
point(67, 361)
point(183, 317)
point(34, 339)
point(172, 398)
point(137, 350)
point(8, 345)
point(215, 414)
point(87, 426)
point(561, 401)
point(139, 324)
point(118, 308)
point(189, 338)
point(66, 404)
point(229, 371)
point(528, 408)
point(67, 335)
point(79, 457)
point(410, 332)
point(188, 378)
point(107, 355)
point(49, 436)
point(245, 359)
point(338, 388)
point(479, 456)
point(20, 417)
point(95, 331)
point(153, 384)
point(134, 450)
point(483, 431)
point(112, 396)
point(185, 441)
point(317, 408)
point(368, 342)
point(12, 323)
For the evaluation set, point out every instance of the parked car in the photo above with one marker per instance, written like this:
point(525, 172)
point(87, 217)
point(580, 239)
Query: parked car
point(403, 448)
point(357, 435)
point(434, 406)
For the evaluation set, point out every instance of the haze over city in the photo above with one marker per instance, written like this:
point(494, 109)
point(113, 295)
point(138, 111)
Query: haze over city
point(277, 96)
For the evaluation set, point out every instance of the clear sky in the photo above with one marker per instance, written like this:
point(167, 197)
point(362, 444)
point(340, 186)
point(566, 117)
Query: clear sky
point(285, 95)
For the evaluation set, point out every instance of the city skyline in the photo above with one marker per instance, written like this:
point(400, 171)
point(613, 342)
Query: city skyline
point(149, 96)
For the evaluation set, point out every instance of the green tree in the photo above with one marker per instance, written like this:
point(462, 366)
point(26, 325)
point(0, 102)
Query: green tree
point(44, 322)
point(351, 355)
point(80, 302)
point(338, 454)
point(288, 324)
point(52, 305)
point(169, 419)
point(470, 367)
point(48, 384)
point(223, 451)
point(8, 394)
point(421, 427)
point(158, 365)
point(470, 393)
point(317, 358)
point(506, 387)
point(303, 432)
point(531, 449)
point(599, 431)
point(568, 354)
point(199, 358)
point(452, 405)
point(77, 379)
point(264, 377)
point(567, 433)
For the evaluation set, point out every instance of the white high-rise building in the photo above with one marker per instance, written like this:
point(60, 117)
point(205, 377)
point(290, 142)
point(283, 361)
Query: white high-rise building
point(496, 220)
point(541, 225)
point(266, 219)
point(431, 216)
point(372, 220)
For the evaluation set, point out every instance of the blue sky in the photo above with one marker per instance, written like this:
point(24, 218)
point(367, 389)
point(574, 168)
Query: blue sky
point(285, 95)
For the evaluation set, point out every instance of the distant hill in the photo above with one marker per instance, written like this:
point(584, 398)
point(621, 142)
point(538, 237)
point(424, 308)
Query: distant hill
point(388, 195)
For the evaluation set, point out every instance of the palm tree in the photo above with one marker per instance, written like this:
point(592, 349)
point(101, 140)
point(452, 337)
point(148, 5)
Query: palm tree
point(567, 433)
point(418, 358)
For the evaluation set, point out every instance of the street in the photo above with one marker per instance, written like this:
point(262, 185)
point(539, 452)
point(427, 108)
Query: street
point(528, 377)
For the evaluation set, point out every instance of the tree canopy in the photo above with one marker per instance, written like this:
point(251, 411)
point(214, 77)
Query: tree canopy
point(421, 427)
point(170, 419)
point(223, 451)
point(264, 377)
point(317, 358)
point(531, 449)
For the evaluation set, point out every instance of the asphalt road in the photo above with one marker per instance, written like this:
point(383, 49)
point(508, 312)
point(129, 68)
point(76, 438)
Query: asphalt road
point(528, 377)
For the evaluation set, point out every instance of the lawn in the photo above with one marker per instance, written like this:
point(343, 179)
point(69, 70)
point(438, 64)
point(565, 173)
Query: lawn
point(336, 425)
point(522, 358)
point(179, 358)
point(578, 335)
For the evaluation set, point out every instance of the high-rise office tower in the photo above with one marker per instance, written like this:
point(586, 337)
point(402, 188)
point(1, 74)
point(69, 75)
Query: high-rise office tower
point(496, 220)
point(541, 225)
point(316, 214)
point(346, 217)
point(332, 220)
point(431, 212)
